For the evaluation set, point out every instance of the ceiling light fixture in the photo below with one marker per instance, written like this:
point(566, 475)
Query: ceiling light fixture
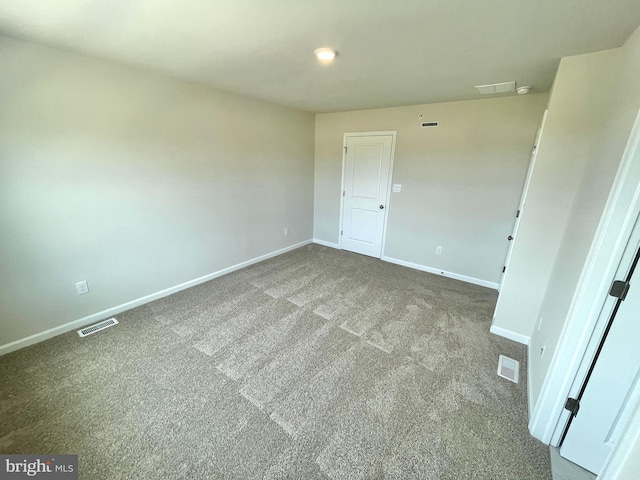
point(325, 54)
point(523, 90)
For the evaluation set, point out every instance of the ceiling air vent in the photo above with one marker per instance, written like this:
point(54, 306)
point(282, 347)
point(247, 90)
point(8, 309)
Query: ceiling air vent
point(496, 88)
point(97, 327)
point(430, 124)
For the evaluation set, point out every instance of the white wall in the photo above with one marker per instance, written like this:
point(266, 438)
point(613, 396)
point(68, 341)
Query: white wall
point(578, 100)
point(617, 97)
point(461, 182)
point(135, 182)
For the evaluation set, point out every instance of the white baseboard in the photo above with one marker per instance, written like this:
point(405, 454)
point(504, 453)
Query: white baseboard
point(516, 337)
point(326, 244)
point(109, 312)
point(530, 399)
point(437, 271)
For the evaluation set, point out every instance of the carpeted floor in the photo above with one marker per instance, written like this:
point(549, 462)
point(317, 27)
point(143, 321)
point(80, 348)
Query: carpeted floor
point(315, 364)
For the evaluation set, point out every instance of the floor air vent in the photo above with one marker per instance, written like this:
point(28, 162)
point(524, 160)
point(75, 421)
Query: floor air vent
point(97, 327)
point(508, 368)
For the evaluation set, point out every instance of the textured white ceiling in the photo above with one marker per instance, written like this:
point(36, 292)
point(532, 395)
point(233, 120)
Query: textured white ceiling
point(392, 53)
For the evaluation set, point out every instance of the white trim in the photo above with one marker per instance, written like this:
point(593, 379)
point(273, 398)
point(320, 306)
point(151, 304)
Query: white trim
point(529, 387)
point(393, 134)
point(388, 198)
point(516, 337)
point(81, 322)
point(326, 244)
point(342, 189)
point(380, 133)
point(437, 271)
point(605, 254)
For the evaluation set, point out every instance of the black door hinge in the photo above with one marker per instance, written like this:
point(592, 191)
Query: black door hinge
point(504, 269)
point(518, 214)
point(619, 289)
point(573, 406)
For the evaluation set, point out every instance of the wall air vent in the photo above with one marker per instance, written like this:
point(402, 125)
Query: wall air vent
point(97, 327)
point(429, 124)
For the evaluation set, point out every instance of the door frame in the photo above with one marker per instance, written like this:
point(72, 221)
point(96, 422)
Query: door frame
point(393, 134)
point(584, 318)
point(590, 360)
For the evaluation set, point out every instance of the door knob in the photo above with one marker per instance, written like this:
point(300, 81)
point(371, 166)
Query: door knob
point(381, 207)
point(509, 238)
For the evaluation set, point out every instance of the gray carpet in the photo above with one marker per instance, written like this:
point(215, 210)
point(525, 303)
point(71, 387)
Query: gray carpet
point(314, 364)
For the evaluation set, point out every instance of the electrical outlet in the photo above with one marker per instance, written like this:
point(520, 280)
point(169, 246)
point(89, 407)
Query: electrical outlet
point(286, 230)
point(82, 287)
point(438, 250)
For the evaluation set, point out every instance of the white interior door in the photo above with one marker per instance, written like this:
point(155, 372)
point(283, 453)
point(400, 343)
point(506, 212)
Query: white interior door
point(614, 385)
point(367, 171)
point(523, 198)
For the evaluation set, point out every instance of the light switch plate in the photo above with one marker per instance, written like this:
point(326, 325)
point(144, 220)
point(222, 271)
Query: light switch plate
point(397, 188)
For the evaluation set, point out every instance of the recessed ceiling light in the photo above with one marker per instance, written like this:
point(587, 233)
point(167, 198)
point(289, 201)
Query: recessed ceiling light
point(325, 54)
